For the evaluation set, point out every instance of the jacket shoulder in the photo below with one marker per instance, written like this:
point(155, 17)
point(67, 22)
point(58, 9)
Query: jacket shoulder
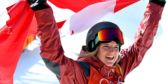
point(85, 68)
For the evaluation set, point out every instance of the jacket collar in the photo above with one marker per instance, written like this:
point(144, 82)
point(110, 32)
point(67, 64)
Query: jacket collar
point(97, 64)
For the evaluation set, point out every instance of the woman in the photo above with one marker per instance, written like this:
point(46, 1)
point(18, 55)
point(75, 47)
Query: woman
point(100, 61)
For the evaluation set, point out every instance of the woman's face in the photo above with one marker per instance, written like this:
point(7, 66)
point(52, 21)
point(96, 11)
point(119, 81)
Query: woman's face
point(108, 53)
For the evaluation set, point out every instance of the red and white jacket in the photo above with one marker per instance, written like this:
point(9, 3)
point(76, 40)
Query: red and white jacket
point(71, 71)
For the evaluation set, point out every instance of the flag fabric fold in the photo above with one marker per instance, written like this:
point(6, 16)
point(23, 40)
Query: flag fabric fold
point(91, 15)
point(74, 5)
point(11, 43)
point(22, 24)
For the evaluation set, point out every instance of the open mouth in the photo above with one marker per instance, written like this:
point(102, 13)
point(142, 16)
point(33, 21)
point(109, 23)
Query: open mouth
point(110, 57)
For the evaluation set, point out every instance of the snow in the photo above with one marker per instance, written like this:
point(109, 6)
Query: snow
point(31, 68)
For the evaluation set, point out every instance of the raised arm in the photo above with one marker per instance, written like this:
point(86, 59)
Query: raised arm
point(52, 52)
point(144, 37)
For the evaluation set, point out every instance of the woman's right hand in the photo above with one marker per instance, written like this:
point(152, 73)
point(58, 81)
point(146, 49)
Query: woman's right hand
point(37, 4)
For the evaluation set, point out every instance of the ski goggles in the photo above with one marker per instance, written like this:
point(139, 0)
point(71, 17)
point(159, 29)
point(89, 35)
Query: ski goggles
point(109, 33)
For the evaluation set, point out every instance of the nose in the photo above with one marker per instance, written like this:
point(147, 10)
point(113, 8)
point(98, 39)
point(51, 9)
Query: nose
point(111, 49)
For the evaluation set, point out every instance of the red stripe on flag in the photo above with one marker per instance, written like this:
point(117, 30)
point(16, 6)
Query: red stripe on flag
point(10, 7)
point(72, 32)
point(120, 4)
point(32, 28)
point(4, 34)
point(60, 24)
point(5, 30)
point(74, 5)
point(12, 44)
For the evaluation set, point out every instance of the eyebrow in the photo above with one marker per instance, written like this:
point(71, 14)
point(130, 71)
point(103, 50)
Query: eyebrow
point(116, 45)
point(109, 44)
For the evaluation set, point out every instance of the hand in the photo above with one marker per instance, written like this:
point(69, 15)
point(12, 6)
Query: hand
point(37, 4)
point(159, 2)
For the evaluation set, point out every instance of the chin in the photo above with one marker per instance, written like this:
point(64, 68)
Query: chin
point(109, 64)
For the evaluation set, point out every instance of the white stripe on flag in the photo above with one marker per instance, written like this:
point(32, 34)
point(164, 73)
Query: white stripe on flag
point(87, 17)
point(60, 14)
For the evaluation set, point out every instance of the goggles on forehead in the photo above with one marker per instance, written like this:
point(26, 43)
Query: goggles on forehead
point(109, 33)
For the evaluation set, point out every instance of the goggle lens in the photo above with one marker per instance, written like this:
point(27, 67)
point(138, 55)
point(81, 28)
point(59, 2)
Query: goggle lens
point(109, 33)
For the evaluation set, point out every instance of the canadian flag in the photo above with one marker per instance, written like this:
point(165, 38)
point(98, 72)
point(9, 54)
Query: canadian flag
point(22, 23)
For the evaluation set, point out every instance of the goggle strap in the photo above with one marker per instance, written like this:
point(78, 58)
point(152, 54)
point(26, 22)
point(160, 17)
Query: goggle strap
point(94, 43)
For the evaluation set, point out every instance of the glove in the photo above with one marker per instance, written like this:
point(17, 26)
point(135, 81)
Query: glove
point(159, 2)
point(37, 4)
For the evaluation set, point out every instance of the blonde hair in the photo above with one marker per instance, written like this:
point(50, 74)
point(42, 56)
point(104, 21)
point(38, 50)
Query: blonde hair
point(89, 54)
point(118, 60)
point(94, 53)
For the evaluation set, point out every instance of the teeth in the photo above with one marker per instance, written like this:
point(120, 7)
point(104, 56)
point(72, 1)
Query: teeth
point(110, 57)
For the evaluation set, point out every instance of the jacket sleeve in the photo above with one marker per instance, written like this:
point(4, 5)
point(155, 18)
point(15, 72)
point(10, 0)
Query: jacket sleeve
point(143, 40)
point(52, 52)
